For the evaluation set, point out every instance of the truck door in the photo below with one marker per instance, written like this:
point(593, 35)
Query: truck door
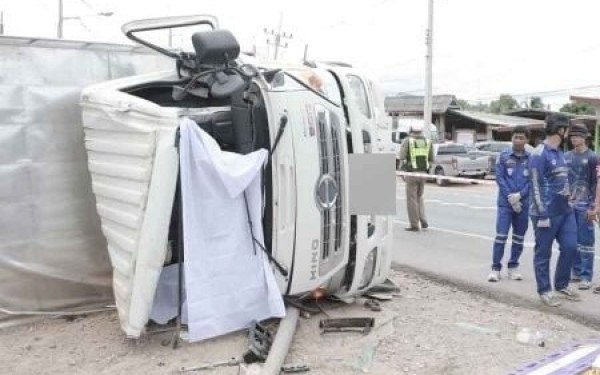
point(369, 254)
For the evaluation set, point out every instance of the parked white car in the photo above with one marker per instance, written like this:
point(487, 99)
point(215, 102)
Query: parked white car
point(492, 149)
point(455, 160)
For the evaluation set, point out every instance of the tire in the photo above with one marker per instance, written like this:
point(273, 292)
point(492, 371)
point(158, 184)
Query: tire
point(439, 171)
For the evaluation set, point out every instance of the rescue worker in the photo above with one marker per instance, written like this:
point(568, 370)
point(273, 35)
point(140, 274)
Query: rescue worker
point(512, 178)
point(596, 212)
point(582, 178)
point(416, 154)
point(551, 215)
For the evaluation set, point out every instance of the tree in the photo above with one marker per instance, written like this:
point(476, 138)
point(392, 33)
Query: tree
point(578, 108)
point(536, 103)
point(463, 104)
point(503, 104)
point(478, 107)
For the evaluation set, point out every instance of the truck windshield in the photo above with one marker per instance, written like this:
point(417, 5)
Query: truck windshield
point(321, 81)
point(359, 93)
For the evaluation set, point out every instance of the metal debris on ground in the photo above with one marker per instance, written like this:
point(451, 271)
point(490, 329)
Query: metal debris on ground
point(259, 343)
point(210, 366)
point(387, 287)
point(372, 305)
point(363, 325)
point(380, 296)
point(294, 368)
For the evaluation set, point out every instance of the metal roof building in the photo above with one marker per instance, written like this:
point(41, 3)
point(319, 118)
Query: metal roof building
point(496, 121)
point(406, 105)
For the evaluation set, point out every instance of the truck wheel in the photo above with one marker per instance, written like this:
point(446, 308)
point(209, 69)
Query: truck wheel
point(439, 171)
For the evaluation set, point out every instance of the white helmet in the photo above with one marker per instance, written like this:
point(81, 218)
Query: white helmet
point(416, 128)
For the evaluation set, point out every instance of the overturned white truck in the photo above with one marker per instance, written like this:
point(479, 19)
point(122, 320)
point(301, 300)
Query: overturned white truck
point(311, 117)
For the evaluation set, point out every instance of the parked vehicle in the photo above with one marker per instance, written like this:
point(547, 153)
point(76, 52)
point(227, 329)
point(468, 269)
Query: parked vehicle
point(492, 149)
point(330, 112)
point(454, 160)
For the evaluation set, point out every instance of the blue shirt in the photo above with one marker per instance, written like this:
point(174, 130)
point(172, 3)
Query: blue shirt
point(550, 191)
point(512, 176)
point(582, 178)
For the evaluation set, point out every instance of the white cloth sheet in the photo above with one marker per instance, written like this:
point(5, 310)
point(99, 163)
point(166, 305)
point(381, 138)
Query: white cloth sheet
point(229, 282)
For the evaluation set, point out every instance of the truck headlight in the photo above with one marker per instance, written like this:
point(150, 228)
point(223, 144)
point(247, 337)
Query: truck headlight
point(368, 269)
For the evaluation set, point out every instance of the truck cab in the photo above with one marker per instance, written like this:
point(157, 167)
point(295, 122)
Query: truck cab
point(310, 116)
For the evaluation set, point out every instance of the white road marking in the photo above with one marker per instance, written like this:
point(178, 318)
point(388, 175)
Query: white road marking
point(478, 236)
point(464, 234)
point(460, 204)
point(470, 191)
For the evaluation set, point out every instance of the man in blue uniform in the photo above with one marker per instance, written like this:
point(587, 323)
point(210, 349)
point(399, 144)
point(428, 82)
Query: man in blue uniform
point(582, 177)
point(512, 178)
point(551, 213)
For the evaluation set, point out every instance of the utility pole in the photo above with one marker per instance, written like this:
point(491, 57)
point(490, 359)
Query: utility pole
point(62, 18)
point(1, 22)
point(305, 52)
point(428, 72)
point(278, 36)
point(59, 32)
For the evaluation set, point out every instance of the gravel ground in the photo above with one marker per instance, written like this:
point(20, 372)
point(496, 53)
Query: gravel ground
point(429, 329)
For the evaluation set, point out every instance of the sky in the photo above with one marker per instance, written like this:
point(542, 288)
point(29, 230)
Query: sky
point(482, 48)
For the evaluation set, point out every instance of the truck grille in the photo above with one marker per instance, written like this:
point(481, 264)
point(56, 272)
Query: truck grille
point(335, 135)
point(330, 183)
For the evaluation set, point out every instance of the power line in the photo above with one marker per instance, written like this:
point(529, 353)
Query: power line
point(477, 67)
point(277, 37)
point(345, 19)
point(549, 93)
point(400, 64)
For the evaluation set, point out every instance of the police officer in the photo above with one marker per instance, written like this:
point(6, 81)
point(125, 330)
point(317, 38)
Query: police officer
point(416, 154)
point(582, 178)
point(551, 214)
point(512, 178)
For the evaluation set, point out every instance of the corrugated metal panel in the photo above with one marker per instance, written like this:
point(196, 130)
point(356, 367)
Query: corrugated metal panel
point(498, 120)
point(121, 154)
point(414, 104)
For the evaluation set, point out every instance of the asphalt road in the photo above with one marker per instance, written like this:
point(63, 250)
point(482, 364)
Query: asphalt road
point(457, 248)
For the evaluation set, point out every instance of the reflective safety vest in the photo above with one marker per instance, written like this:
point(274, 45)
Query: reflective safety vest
point(418, 154)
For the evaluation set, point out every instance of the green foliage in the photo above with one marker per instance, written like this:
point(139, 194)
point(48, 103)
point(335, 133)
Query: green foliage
point(536, 103)
point(578, 108)
point(504, 104)
point(478, 107)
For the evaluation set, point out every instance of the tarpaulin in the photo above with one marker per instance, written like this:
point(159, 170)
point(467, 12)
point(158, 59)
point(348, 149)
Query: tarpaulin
point(53, 256)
